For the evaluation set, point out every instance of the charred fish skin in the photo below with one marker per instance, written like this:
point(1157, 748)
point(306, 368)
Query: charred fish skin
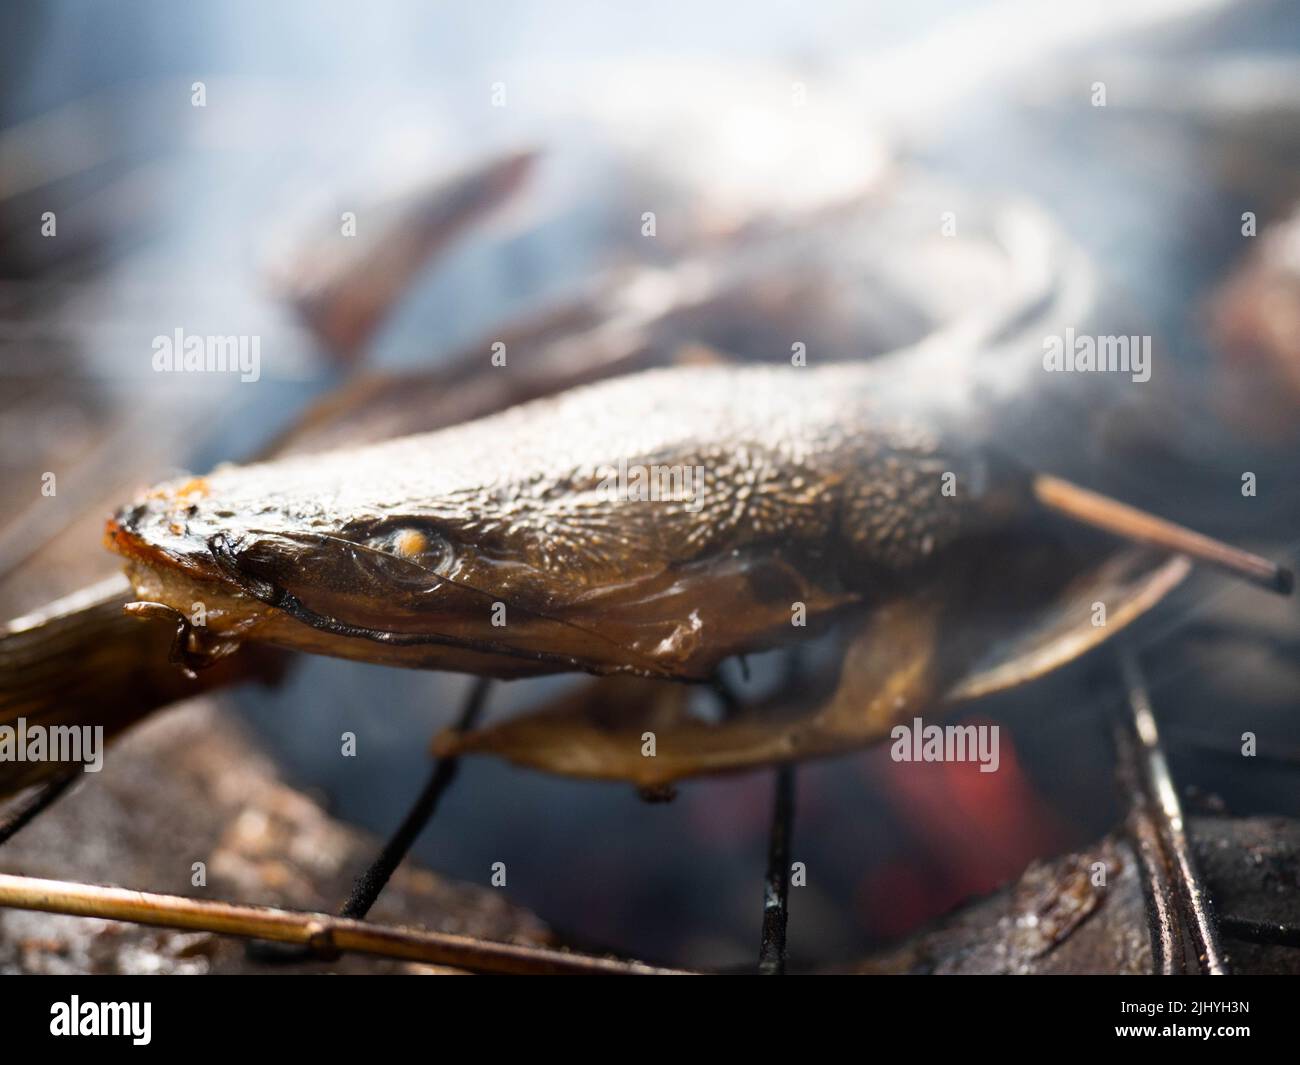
point(655, 523)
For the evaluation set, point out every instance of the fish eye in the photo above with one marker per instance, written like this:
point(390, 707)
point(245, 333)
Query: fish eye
point(409, 542)
point(414, 542)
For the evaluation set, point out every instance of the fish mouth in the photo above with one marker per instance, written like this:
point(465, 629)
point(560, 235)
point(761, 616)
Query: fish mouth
point(122, 537)
point(155, 529)
point(123, 541)
point(177, 572)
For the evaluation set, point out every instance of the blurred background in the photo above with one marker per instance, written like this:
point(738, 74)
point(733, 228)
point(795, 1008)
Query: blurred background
point(727, 121)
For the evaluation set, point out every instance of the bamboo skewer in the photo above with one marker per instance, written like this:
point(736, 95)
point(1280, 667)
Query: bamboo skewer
point(1102, 512)
point(317, 930)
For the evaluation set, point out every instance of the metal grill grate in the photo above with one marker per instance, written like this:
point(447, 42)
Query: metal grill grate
point(1184, 927)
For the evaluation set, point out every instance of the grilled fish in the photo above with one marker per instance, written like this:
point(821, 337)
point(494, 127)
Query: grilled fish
point(656, 524)
point(653, 524)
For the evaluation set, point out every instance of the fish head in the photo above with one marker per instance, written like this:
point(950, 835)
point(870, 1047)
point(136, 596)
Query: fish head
point(408, 552)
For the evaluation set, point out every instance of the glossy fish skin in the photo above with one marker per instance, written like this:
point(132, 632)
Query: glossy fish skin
point(505, 547)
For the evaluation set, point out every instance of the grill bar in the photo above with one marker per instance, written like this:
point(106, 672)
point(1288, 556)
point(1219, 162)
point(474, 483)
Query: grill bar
point(27, 810)
point(1163, 924)
point(776, 886)
point(1271, 932)
point(1164, 808)
point(372, 882)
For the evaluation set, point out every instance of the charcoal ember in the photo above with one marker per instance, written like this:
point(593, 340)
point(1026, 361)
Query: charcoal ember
point(1252, 867)
point(1051, 920)
point(1056, 919)
point(190, 786)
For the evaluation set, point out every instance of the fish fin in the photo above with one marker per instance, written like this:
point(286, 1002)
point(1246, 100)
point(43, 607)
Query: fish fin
point(925, 653)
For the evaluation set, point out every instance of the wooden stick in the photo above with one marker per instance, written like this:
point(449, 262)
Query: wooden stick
point(312, 929)
point(1102, 512)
